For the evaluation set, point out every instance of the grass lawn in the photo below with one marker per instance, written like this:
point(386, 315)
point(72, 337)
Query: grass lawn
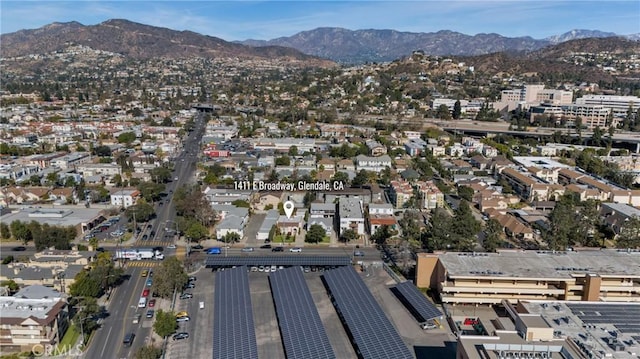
point(70, 337)
point(283, 239)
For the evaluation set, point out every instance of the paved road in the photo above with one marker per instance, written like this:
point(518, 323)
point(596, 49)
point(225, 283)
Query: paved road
point(8, 250)
point(107, 343)
point(370, 253)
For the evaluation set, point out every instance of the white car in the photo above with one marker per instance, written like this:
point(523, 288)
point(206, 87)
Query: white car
point(295, 250)
point(171, 246)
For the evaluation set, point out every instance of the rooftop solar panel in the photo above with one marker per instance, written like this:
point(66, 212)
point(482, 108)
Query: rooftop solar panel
point(234, 335)
point(302, 332)
point(623, 316)
point(422, 308)
point(216, 260)
point(373, 335)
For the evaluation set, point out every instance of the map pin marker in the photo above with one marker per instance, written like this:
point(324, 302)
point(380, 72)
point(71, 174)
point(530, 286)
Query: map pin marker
point(288, 208)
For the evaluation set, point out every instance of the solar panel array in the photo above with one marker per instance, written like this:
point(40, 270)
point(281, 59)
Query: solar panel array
point(625, 317)
point(234, 335)
point(419, 304)
point(302, 332)
point(217, 260)
point(373, 335)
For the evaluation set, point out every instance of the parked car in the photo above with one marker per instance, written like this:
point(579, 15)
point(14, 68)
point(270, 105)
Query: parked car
point(265, 246)
point(247, 249)
point(295, 250)
point(358, 253)
point(145, 273)
point(171, 246)
point(192, 279)
point(145, 293)
point(277, 249)
point(197, 246)
point(19, 249)
point(136, 319)
point(182, 314)
point(150, 313)
point(183, 319)
point(179, 336)
point(152, 303)
point(149, 282)
point(186, 296)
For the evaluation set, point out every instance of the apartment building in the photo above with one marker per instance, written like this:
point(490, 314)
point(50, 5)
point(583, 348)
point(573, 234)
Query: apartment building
point(124, 198)
point(374, 164)
point(284, 144)
point(400, 193)
point(381, 214)
point(488, 278)
point(376, 148)
point(35, 316)
point(92, 169)
point(72, 160)
point(520, 182)
point(430, 195)
point(351, 215)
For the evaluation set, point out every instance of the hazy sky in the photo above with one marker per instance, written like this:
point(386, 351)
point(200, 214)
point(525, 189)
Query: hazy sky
point(240, 20)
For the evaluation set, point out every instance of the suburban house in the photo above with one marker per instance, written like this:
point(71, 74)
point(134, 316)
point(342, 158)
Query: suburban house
point(269, 221)
point(616, 215)
point(233, 220)
point(266, 199)
point(381, 214)
point(325, 222)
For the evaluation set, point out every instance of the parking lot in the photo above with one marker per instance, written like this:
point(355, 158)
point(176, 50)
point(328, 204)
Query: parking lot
point(425, 343)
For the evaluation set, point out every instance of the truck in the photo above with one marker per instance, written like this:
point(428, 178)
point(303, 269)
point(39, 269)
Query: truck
point(138, 254)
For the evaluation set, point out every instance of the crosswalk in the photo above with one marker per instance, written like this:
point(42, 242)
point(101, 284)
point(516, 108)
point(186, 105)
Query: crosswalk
point(152, 243)
point(181, 252)
point(138, 264)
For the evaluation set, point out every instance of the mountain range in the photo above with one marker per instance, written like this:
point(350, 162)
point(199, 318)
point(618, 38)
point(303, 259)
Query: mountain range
point(349, 46)
point(308, 48)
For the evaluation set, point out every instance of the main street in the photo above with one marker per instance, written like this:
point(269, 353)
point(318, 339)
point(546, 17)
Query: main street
point(123, 305)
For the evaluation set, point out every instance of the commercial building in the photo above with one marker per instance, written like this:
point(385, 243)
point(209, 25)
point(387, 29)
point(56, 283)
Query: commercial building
point(618, 104)
point(33, 317)
point(489, 278)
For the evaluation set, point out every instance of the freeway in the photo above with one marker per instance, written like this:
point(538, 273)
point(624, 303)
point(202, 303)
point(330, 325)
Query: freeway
point(123, 306)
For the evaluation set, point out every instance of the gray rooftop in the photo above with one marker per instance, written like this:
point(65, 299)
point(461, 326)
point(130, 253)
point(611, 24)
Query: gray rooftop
point(542, 264)
point(53, 216)
point(350, 208)
point(269, 221)
point(623, 208)
point(13, 307)
point(37, 292)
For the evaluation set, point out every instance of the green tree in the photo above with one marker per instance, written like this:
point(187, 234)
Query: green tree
point(360, 179)
point(160, 174)
point(195, 231)
point(315, 234)
point(283, 161)
point(293, 151)
point(142, 212)
point(272, 233)
point(20, 232)
point(466, 193)
point(169, 276)
point(466, 228)
point(165, 323)
point(381, 235)
point(241, 203)
point(443, 112)
point(102, 151)
point(629, 236)
point(126, 137)
point(562, 230)
point(10, 284)
point(348, 235)
point(151, 191)
point(5, 232)
point(148, 352)
point(409, 225)
point(493, 234)
point(231, 237)
point(457, 110)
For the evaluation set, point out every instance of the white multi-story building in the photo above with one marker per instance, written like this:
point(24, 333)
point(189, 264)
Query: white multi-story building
point(284, 144)
point(619, 104)
point(374, 164)
point(351, 215)
point(72, 160)
point(124, 198)
point(381, 208)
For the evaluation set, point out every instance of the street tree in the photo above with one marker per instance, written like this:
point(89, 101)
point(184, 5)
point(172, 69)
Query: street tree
point(443, 112)
point(5, 232)
point(315, 234)
point(439, 236)
point(381, 235)
point(148, 352)
point(231, 237)
point(151, 191)
point(348, 235)
point(360, 179)
point(165, 323)
point(409, 225)
point(126, 137)
point(493, 234)
point(168, 277)
point(629, 236)
point(142, 211)
point(466, 193)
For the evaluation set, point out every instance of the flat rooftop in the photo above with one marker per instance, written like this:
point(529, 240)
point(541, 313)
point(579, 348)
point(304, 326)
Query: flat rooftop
point(52, 216)
point(597, 338)
point(539, 162)
point(13, 307)
point(508, 344)
point(542, 264)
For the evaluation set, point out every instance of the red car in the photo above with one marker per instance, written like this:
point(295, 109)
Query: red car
point(145, 293)
point(152, 303)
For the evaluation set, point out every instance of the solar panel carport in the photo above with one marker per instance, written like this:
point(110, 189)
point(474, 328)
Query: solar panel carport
point(218, 260)
point(416, 302)
point(372, 334)
point(302, 332)
point(234, 335)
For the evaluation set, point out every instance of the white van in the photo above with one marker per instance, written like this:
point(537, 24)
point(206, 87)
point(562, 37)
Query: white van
point(201, 305)
point(142, 303)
